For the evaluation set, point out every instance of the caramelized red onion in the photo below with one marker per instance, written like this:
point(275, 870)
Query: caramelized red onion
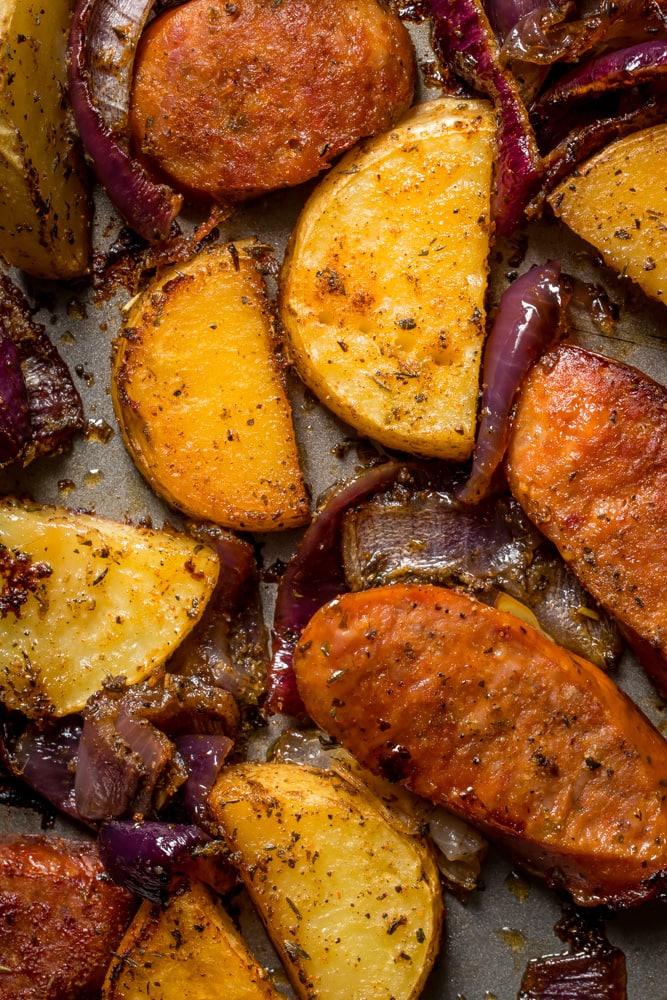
point(314, 576)
point(527, 322)
point(103, 38)
point(464, 36)
point(203, 756)
point(592, 968)
point(14, 416)
point(144, 857)
point(622, 68)
point(40, 408)
point(490, 550)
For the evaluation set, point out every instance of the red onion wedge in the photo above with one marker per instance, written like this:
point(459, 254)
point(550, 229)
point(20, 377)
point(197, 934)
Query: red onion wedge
point(314, 576)
point(203, 756)
point(15, 431)
point(527, 322)
point(464, 36)
point(144, 856)
point(99, 75)
point(622, 68)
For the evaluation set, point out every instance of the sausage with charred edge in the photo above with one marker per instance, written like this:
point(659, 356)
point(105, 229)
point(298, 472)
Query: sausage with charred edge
point(587, 461)
point(476, 711)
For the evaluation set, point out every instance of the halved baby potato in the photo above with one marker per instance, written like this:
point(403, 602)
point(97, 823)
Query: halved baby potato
point(352, 903)
point(84, 600)
point(187, 950)
point(198, 391)
point(45, 208)
point(383, 286)
point(617, 200)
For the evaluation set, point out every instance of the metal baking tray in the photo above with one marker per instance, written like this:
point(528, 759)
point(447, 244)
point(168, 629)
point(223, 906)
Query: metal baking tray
point(487, 940)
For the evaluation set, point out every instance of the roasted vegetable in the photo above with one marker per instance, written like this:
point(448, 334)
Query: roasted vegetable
point(479, 712)
point(198, 391)
point(53, 406)
point(351, 903)
point(381, 324)
point(296, 83)
point(587, 460)
point(60, 918)
point(188, 949)
point(617, 202)
point(44, 202)
point(84, 600)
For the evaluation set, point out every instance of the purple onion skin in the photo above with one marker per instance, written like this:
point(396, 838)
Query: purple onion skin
point(576, 976)
point(313, 577)
point(466, 40)
point(504, 15)
point(15, 429)
point(203, 757)
point(526, 324)
point(149, 208)
point(623, 68)
point(45, 760)
point(143, 856)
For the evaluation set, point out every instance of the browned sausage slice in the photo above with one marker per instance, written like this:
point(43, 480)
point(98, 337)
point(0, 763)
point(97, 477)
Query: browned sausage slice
point(477, 711)
point(233, 99)
point(60, 918)
point(587, 461)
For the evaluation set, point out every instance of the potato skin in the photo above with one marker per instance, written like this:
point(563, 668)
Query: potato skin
point(60, 918)
point(477, 711)
point(233, 100)
point(587, 460)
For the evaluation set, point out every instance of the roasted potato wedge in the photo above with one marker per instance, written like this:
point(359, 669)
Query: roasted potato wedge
point(352, 903)
point(198, 392)
point(617, 200)
point(84, 599)
point(45, 210)
point(187, 950)
point(382, 290)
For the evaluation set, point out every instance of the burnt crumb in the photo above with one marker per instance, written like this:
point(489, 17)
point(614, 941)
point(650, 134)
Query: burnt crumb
point(20, 577)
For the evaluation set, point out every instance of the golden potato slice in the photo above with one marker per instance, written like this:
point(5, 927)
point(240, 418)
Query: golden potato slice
point(382, 290)
point(44, 204)
point(198, 392)
point(617, 200)
point(352, 903)
point(187, 950)
point(84, 599)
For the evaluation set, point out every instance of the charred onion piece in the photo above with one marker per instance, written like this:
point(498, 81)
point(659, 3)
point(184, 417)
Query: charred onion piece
point(127, 761)
point(144, 856)
point(622, 68)
point(314, 576)
point(54, 407)
point(466, 40)
point(593, 968)
point(15, 432)
point(526, 325)
point(99, 94)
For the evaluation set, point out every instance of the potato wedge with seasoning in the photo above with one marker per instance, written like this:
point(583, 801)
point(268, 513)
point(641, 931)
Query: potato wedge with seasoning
point(84, 599)
point(383, 286)
point(352, 903)
point(187, 950)
point(45, 210)
point(198, 391)
point(617, 200)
